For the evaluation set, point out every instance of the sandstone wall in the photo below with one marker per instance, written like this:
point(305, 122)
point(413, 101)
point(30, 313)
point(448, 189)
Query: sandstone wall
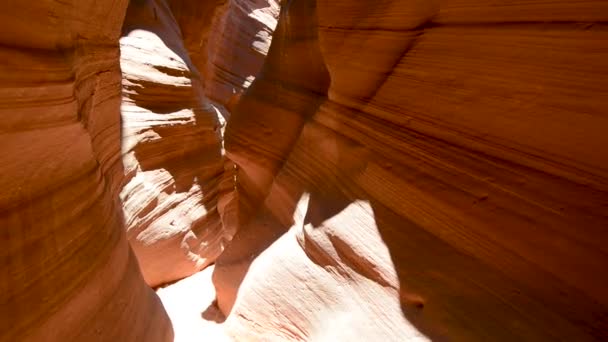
point(171, 136)
point(399, 169)
point(75, 174)
point(227, 41)
point(450, 183)
point(67, 271)
point(171, 147)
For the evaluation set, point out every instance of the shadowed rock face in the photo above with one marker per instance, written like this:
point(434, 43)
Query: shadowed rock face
point(450, 183)
point(397, 170)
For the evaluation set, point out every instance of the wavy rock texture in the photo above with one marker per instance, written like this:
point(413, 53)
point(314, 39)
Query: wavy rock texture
point(238, 43)
point(171, 149)
point(423, 170)
point(404, 170)
point(67, 271)
point(227, 41)
point(171, 132)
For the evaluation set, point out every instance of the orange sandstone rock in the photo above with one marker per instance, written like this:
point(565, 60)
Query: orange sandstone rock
point(67, 272)
point(398, 170)
point(171, 147)
point(450, 183)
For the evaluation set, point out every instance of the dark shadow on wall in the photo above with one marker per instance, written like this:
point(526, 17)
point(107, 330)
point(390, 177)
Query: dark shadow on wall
point(446, 292)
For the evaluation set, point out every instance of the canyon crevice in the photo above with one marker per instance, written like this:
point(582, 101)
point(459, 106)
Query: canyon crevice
point(304, 170)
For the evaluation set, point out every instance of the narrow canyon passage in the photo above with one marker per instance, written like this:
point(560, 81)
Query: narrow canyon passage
point(303, 170)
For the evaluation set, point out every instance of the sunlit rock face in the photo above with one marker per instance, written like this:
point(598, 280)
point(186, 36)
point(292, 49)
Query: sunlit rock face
point(398, 170)
point(66, 270)
point(171, 132)
point(423, 170)
point(171, 149)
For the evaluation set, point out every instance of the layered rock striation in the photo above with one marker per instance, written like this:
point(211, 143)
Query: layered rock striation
point(177, 190)
point(80, 166)
point(171, 148)
point(398, 170)
point(67, 272)
point(423, 170)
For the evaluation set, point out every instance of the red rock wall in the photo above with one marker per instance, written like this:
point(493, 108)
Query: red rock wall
point(171, 136)
point(227, 41)
point(67, 271)
point(423, 169)
point(237, 45)
point(404, 169)
point(75, 174)
point(171, 149)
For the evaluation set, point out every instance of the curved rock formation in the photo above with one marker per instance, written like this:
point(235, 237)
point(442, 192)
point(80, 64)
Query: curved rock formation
point(238, 42)
point(75, 278)
point(227, 41)
point(398, 170)
point(67, 271)
point(171, 149)
point(449, 184)
point(171, 131)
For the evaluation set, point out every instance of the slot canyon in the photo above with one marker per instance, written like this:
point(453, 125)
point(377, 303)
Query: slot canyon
point(303, 170)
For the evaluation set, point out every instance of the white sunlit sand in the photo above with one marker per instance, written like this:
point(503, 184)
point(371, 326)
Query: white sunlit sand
point(189, 303)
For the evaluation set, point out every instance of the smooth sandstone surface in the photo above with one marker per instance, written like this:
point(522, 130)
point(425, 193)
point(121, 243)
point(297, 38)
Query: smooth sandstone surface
point(79, 168)
point(423, 170)
point(67, 272)
point(178, 186)
point(398, 170)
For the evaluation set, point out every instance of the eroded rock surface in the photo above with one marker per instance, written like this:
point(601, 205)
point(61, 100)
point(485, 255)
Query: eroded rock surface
point(450, 183)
